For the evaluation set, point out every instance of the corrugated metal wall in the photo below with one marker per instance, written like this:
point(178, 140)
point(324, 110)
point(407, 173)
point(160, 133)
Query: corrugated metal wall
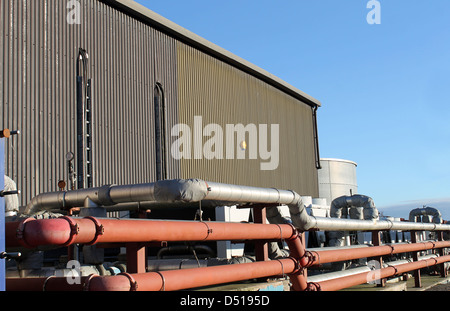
point(38, 51)
point(222, 94)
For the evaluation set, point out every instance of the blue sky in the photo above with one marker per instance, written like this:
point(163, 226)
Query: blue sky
point(385, 89)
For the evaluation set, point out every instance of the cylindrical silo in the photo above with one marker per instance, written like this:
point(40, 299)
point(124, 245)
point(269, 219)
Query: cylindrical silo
point(337, 178)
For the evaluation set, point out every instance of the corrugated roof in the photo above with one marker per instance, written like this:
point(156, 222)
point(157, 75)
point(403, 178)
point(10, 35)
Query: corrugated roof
point(163, 24)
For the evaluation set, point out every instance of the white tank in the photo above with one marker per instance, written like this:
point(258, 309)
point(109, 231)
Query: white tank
point(337, 178)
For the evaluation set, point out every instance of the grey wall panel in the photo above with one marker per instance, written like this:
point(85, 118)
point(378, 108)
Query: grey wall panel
point(165, 60)
point(126, 58)
point(38, 61)
point(222, 94)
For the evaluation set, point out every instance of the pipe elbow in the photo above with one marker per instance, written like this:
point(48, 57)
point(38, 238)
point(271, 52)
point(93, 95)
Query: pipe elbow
point(299, 216)
point(339, 206)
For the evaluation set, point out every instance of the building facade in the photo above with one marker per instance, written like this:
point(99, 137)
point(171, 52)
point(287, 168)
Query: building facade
point(163, 102)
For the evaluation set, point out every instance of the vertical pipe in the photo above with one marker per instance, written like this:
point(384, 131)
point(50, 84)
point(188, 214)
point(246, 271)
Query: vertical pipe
point(80, 129)
point(415, 255)
point(2, 215)
point(443, 271)
point(376, 241)
point(297, 249)
point(261, 248)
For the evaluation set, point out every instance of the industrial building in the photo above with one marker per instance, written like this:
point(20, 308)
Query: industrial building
point(147, 75)
point(148, 158)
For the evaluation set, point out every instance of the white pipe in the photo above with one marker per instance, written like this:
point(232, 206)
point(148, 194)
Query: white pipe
point(195, 190)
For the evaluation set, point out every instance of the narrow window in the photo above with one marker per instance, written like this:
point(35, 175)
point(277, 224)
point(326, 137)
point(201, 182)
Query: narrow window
point(160, 133)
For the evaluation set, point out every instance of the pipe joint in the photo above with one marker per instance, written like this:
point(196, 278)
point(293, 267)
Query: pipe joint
point(133, 283)
point(295, 233)
point(87, 283)
point(298, 268)
point(20, 233)
point(308, 259)
point(99, 229)
point(74, 230)
point(313, 287)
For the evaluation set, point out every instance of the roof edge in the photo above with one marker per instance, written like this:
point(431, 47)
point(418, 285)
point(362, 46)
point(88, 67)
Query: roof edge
point(161, 23)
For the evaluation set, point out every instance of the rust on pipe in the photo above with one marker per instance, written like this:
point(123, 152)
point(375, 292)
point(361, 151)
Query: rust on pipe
point(66, 231)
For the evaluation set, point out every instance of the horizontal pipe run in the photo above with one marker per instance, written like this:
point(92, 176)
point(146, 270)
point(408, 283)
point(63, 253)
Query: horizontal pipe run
point(194, 278)
point(235, 193)
point(163, 280)
point(327, 256)
point(66, 231)
point(339, 274)
point(365, 277)
point(337, 224)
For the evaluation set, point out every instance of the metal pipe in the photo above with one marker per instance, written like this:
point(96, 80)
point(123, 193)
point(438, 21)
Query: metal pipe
point(361, 278)
point(163, 280)
point(339, 206)
point(195, 190)
point(66, 231)
point(330, 224)
point(425, 211)
point(339, 274)
point(327, 256)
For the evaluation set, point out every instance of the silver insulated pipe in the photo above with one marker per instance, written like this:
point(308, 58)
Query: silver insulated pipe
point(195, 190)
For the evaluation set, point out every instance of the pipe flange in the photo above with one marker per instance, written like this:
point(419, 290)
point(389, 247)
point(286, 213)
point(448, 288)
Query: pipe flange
point(46, 281)
point(314, 287)
point(208, 232)
point(133, 283)
point(309, 259)
point(163, 280)
point(99, 229)
point(87, 282)
point(20, 233)
point(298, 268)
point(395, 269)
point(295, 233)
point(74, 230)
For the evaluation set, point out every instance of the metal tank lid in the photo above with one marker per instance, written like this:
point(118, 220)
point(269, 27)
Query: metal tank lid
point(339, 160)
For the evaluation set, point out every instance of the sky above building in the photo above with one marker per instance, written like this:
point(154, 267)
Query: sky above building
point(384, 88)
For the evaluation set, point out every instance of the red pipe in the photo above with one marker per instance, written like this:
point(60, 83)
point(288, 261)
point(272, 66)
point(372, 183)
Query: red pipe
point(66, 231)
point(361, 278)
point(322, 257)
point(164, 280)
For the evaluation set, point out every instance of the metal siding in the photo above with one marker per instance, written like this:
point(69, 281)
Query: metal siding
point(126, 58)
point(223, 94)
point(38, 57)
point(165, 74)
